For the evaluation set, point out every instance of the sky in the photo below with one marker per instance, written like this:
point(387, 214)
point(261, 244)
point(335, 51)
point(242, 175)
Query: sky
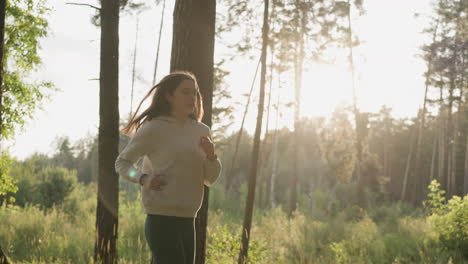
point(388, 70)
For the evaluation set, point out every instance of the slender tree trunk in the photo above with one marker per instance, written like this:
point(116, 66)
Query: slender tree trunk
point(2, 51)
point(229, 176)
point(465, 186)
point(108, 181)
point(433, 159)
point(408, 167)
point(265, 154)
point(449, 139)
point(420, 185)
point(133, 69)
point(298, 65)
point(159, 43)
point(256, 146)
point(331, 198)
point(441, 138)
point(360, 181)
point(3, 258)
point(453, 171)
point(270, 191)
point(193, 50)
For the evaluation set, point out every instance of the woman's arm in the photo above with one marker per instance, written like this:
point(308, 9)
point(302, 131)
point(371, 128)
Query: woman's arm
point(211, 169)
point(139, 145)
point(211, 164)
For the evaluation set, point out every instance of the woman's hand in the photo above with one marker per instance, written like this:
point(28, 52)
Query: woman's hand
point(208, 147)
point(153, 182)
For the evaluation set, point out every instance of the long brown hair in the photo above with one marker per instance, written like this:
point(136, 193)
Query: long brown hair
point(159, 104)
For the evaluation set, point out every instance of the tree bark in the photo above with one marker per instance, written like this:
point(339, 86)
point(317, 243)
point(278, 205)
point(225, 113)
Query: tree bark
point(193, 43)
point(465, 186)
point(441, 138)
point(108, 180)
point(270, 190)
point(229, 176)
point(408, 167)
point(433, 158)
point(265, 154)
point(298, 65)
point(2, 51)
point(159, 43)
point(449, 136)
point(419, 175)
point(256, 146)
point(3, 258)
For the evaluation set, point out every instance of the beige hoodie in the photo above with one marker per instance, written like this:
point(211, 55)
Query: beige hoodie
point(170, 147)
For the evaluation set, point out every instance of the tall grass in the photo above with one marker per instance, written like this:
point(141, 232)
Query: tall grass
point(392, 233)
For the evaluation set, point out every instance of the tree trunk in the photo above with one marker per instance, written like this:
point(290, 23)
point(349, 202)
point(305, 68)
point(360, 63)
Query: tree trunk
point(441, 138)
point(298, 65)
point(449, 138)
point(159, 43)
point(360, 181)
point(2, 51)
point(433, 159)
point(133, 70)
point(465, 186)
point(270, 190)
point(419, 175)
point(3, 258)
point(108, 180)
point(229, 176)
point(256, 146)
point(193, 42)
point(408, 167)
point(265, 154)
point(331, 198)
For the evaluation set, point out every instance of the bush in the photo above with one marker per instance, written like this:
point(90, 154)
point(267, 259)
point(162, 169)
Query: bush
point(55, 184)
point(451, 225)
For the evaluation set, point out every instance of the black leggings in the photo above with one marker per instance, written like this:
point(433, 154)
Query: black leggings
point(171, 239)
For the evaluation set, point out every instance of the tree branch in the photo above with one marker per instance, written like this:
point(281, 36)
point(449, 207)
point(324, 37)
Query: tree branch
point(80, 4)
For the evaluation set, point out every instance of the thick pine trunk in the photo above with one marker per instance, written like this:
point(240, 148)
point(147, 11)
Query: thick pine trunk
point(193, 50)
point(256, 146)
point(108, 180)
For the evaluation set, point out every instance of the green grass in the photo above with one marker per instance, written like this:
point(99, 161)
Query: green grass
point(391, 233)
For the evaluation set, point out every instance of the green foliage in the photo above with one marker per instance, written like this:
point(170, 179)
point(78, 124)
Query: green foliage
point(224, 240)
point(388, 234)
point(41, 185)
point(336, 145)
point(29, 234)
point(55, 184)
point(451, 225)
point(436, 199)
point(6, 182)
point(25, 25)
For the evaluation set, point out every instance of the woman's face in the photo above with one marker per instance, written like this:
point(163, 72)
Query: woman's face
point(184, 99)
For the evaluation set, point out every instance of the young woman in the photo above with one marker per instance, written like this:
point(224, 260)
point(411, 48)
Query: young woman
point(178, 159)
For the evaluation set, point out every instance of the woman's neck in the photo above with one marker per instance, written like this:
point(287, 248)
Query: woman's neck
point(179, 116)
